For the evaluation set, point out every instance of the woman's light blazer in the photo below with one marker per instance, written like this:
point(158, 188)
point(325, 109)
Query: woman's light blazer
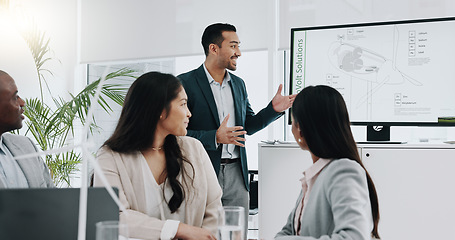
point(202, 200)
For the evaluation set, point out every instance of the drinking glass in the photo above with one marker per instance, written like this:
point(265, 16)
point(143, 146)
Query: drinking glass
point(111, 230)
point(231, 223)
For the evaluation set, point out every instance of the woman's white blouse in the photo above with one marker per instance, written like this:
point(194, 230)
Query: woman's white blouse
point(157, 206)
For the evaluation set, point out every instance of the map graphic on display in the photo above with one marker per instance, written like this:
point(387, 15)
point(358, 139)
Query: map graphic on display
point(399, 72)
point(365, 64)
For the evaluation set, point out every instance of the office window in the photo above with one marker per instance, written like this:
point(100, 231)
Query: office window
point(108, 121)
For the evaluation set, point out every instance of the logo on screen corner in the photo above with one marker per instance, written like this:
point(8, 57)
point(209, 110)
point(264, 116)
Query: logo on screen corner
point(377, 128)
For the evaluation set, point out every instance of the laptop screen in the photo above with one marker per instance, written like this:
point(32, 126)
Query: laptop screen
point(52, 213)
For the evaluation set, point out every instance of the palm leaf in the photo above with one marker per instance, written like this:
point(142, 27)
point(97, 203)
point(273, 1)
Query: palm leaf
point(38, 44)
point(116, 92)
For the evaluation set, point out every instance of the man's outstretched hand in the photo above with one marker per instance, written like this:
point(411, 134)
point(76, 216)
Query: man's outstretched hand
point(280, 103)
point(230, 135)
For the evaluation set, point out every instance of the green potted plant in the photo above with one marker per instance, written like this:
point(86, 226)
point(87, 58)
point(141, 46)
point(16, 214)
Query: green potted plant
point(53, 127)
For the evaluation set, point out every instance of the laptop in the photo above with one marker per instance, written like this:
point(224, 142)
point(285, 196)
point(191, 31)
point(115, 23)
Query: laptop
point(52, 213)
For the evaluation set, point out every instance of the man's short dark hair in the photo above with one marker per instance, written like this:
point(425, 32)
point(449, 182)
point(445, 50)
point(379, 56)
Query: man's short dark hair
point(214, 34)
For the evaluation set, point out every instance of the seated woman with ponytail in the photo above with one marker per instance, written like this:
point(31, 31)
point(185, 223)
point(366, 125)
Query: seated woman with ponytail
point(338, 198)
point(165, 179)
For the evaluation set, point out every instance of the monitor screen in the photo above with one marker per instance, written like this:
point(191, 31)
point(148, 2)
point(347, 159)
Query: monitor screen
point(389, 73)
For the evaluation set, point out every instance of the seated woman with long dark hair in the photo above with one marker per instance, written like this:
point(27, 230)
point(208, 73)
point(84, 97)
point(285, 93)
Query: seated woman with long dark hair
point(338, 198)
point(165, 179)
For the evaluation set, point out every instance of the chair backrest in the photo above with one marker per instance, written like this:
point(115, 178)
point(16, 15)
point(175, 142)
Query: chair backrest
point(253, 189)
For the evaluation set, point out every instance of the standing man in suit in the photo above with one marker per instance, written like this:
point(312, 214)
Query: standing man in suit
point(17, 173)
point(221, 112)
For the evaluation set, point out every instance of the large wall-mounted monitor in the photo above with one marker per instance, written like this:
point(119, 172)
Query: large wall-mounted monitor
point(399, 73)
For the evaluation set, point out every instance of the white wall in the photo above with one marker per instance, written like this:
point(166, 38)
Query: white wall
point(122, 30)
point(16, 58)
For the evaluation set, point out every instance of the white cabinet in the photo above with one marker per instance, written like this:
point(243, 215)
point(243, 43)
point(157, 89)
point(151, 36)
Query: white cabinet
point(415, 184)
point(416, 191)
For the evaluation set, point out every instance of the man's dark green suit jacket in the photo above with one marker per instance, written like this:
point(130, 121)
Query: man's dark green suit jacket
point(204, 121)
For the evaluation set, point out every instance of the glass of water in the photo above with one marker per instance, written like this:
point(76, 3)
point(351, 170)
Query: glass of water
point(111, 230)
point(231, 224)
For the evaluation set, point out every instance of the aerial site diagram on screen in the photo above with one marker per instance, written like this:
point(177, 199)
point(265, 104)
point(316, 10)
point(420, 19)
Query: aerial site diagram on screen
point(386, 73)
